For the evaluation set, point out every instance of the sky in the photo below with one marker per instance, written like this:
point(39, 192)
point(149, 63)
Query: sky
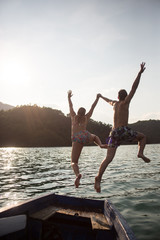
point(48, 47)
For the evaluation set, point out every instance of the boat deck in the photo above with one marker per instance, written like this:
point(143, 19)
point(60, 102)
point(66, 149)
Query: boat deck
point(98, 220)
point(74, 223)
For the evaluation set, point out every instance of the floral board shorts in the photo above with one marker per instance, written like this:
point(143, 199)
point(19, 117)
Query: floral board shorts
point(82, 137)
point(119, 135)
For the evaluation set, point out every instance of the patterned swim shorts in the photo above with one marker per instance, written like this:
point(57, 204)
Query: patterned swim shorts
point(119, 135)
point(82, 137)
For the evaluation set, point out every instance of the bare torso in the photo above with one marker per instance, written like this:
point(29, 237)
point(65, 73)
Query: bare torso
point(78, 124)
point(121, 113)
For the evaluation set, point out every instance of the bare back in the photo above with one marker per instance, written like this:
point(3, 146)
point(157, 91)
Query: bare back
point(121, 113)
point(78, 123)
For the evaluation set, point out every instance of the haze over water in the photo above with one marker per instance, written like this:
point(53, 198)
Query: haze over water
point(130, 184)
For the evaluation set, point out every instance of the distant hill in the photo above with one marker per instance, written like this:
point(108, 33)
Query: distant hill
point(151, 128)
point(5, 107)
point(33, 126)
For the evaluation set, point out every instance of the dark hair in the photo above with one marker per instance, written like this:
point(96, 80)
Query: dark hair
point(122, 94)
point(81, 112)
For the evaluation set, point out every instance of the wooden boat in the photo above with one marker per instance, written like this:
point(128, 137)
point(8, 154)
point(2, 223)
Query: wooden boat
point(60, 217)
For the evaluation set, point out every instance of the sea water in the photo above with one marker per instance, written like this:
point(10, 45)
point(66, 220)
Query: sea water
point(130, 184)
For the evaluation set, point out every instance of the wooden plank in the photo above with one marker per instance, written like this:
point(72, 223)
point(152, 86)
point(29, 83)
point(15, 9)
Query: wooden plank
point(45, 213)
point(98, 220)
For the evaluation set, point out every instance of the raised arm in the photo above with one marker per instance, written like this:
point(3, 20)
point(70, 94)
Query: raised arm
point(72, 112)
point(136, 83)
point(89, 114)
point(111, 102)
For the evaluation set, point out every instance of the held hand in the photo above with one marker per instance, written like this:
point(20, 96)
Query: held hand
point(142, 67)
point(70, 94)
point(99, 95)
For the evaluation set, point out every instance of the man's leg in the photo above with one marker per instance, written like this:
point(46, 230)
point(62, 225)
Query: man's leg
point(76, 151)
point(110, 155)
point(141, 145)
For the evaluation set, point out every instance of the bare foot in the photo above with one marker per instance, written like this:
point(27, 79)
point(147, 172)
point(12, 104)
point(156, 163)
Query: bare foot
point(77, 181)
point(104, 146)
point(97, 185)
point(145, 159)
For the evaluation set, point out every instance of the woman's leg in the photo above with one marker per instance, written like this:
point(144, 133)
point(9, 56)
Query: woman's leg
point(97, 141)
point(76, 151)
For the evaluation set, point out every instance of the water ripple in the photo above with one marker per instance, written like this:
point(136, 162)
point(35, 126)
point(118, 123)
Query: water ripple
point(128, 182)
